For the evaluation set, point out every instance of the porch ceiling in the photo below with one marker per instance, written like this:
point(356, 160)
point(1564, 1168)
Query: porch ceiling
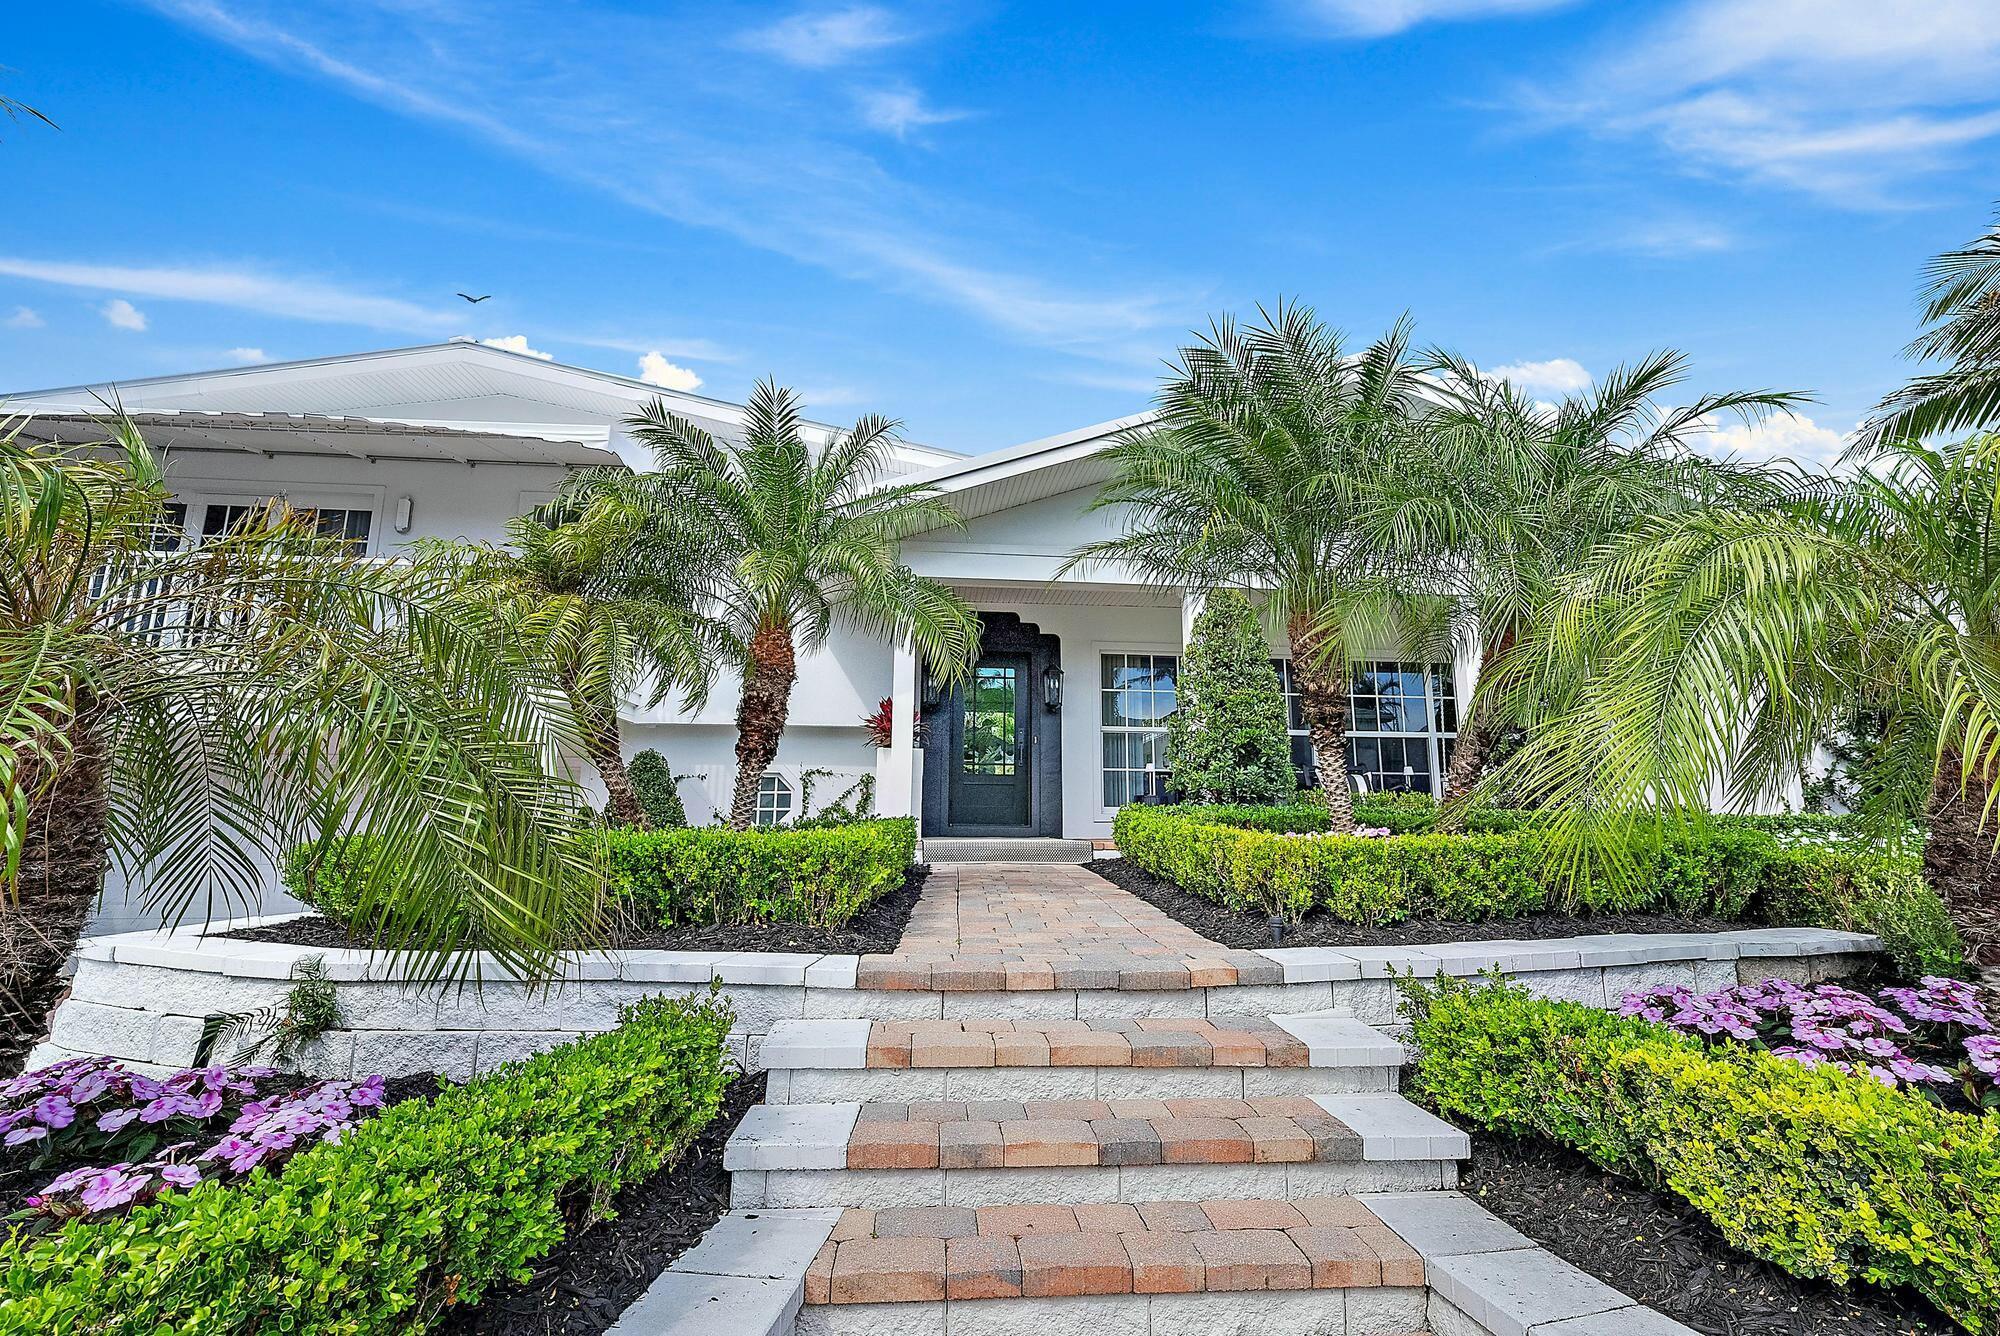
point(1066, 593)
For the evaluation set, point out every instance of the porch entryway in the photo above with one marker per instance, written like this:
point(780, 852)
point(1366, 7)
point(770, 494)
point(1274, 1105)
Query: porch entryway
point(993, 748)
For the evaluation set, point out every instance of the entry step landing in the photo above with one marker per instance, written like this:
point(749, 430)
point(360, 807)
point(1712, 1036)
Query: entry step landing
point(1153, 1263)
point(1016, 850)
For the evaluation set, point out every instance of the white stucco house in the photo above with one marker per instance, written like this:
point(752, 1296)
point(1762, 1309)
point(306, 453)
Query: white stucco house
point(454, 439)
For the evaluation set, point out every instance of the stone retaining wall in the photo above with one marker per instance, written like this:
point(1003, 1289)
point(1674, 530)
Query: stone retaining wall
point(141, 997)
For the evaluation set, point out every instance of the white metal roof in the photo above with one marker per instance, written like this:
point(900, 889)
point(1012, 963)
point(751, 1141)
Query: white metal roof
point(1032, 471)
point(461, 384)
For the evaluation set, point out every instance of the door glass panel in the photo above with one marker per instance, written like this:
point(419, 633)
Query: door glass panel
point(989, 720)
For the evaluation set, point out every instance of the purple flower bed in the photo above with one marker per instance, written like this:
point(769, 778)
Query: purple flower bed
point(162, 1134)
point(1938, 1038)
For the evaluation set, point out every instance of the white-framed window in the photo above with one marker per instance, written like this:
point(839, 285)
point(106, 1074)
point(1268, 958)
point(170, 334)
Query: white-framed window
point(1136, 693)
point(1402, 719)
point(774, 800)
point(205, 508)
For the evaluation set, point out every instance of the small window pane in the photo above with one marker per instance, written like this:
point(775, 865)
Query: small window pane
point(774, 800)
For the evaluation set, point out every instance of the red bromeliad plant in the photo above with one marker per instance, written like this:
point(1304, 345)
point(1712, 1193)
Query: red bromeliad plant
point(881, 725)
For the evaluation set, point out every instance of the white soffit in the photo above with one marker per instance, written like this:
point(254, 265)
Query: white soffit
point(275, 434)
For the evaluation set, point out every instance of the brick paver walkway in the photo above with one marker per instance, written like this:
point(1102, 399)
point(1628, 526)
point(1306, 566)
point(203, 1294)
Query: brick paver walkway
point(995, 927)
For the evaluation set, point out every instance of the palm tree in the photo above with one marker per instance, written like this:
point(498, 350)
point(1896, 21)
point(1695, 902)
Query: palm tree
point(1961, 296)
point(188, 712)
point(1256, 472)
point(795, 543)
point(1514, 495)
point(1718, 646)
point(608, 603)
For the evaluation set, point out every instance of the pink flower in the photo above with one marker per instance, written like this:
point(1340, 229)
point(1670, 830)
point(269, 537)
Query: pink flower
point(113, 1187)
point(116, 1119)
point(181, 1175)
point(1984, 1050)
point(21, 1136)
point(55, 1112)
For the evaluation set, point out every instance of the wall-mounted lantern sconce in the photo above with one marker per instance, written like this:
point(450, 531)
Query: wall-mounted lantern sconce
point(1052, 688)
point(933, 691)
point(402, 519)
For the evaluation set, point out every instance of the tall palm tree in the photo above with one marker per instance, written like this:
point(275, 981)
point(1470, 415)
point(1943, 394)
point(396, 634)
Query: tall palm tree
point(608, 603)
point(797, 542)
point(1255, 472)
point(1961, 295)
point(1513, 495)
point(187, 712)
point(1718, 646)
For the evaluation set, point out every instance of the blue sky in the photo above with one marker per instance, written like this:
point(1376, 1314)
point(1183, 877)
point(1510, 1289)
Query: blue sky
point(993, 221)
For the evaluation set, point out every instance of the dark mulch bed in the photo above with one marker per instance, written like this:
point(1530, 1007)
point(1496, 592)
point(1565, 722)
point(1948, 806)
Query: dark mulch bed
point(582, 1287)
point(875, 930)
point(1235, 928)
point(21, 1177)
point(1657, 1251)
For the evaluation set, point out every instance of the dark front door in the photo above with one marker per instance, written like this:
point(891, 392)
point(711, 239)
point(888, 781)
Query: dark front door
point(993, 766)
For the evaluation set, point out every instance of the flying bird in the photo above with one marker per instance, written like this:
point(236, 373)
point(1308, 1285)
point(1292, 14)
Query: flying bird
point(474, 300)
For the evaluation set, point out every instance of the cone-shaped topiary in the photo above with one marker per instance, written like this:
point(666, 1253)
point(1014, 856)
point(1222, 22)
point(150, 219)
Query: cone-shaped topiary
point(1227, 740)
point(658, 790)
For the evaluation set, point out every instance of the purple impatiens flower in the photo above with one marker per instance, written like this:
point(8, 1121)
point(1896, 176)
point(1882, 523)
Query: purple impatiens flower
point(96, 1102)
point(1829, 1024)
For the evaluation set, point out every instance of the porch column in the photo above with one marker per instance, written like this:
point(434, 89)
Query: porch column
point(1192, 602)
point(896, 765)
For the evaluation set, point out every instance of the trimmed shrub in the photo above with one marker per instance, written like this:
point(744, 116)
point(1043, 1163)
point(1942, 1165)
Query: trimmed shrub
point(821, 876)
point(1240, 856)
point(1830, 886)
point(1227, 741)
point(658, 790)
point(1825, 1174)
point(330, 874)
point(414, 1212)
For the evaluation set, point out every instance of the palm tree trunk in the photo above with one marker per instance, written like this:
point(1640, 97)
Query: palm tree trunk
point(605, 747)
point(1319, 670)
point(62, 875)
point(1475, 740)
point(1960, 862)
point(761, 713)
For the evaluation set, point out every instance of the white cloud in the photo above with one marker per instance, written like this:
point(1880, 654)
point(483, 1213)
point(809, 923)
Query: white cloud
point(727, 143)
point(1780, 437)
point(898, 111)
point(243, 290)
point(655, 369)
point(1552, 379)
point(1847, 99)
point(121, 314)
point(1380, 18)
point(518, 343)
point(248, 355)
point(25, 317)
point(829, 38)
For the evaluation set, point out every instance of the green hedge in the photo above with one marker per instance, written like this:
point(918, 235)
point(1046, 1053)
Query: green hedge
point(1239, 856)
point(422, 1208)
point(821, 876)
point(1825, 1174)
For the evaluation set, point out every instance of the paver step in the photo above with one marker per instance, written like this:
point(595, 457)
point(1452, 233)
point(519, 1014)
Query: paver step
point(1319, 1264)
point(956, 849)
point(975, 1153)
point(813, 1061)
